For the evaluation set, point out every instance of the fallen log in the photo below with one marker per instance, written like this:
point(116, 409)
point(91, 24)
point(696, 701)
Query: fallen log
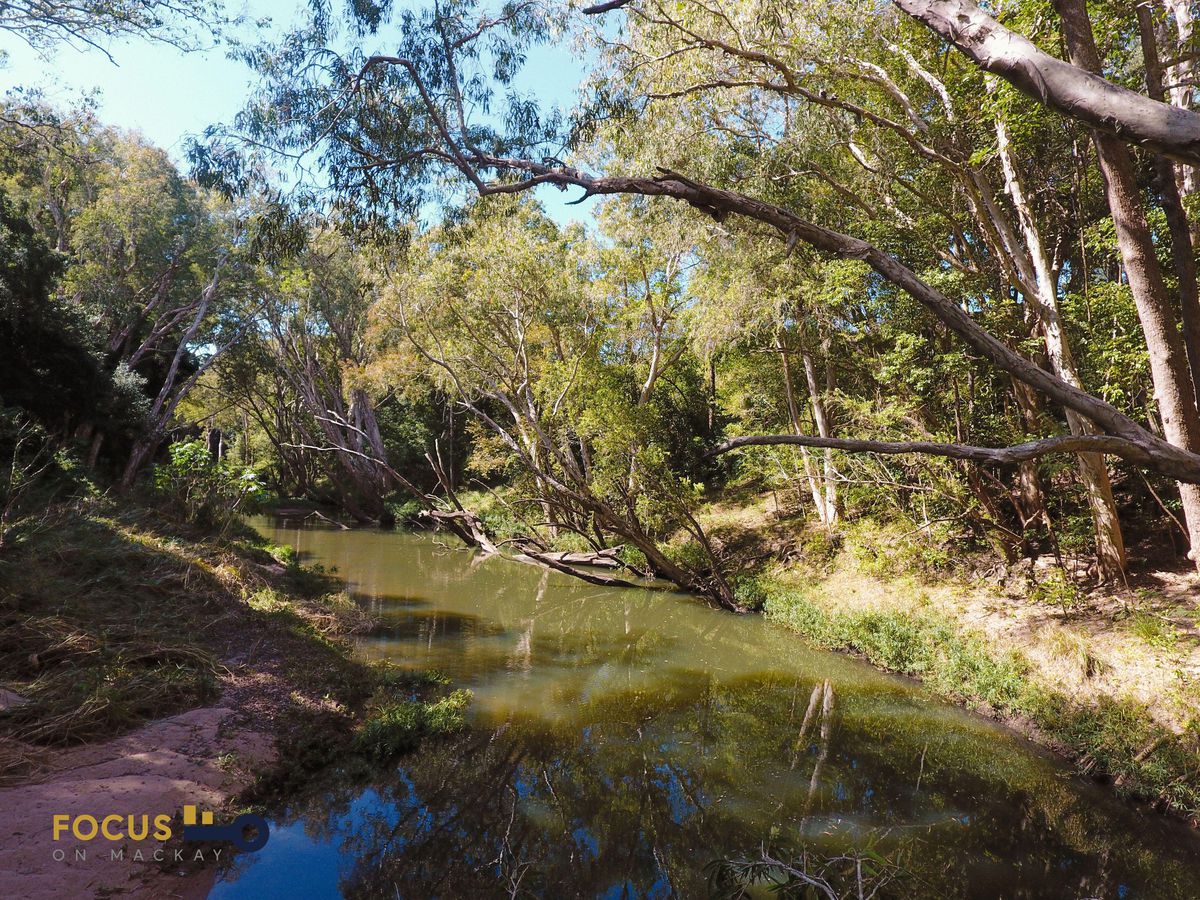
point(532, 556)
point(598, 559)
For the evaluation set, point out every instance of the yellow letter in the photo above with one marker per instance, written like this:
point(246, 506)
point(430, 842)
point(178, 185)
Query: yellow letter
point(162, 828)
point(136, 834)
point(61, 824)
point(104, 828)
point(93, 825)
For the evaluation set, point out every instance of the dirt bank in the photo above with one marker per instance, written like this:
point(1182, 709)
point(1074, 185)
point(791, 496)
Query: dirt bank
point(146, 669)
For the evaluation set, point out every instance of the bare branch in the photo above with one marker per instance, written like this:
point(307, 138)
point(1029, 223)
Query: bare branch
point(1003, 456)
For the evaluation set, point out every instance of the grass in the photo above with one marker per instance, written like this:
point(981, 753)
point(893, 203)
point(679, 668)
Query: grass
point(115, 617)
point(1055, 589)
point(397, 726)
point(408, 706)
point(1154, 630)
point(1074, 651)
point(1115, 738)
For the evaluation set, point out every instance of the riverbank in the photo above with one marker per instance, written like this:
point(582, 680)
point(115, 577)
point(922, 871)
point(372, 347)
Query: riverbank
point(1108, 677)
point(147, 666)
point(214, 671)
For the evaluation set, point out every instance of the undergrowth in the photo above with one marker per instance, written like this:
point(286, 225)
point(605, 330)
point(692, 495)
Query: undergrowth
point(114, 617)
point(398, 725)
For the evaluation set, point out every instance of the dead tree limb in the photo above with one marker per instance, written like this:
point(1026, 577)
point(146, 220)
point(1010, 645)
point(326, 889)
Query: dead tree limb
point(1003, 456)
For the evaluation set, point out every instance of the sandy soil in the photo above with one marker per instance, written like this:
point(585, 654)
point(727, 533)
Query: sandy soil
point(155, 769)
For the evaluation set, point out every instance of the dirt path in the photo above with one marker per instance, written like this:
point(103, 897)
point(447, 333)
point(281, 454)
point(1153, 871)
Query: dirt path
point(154, 770)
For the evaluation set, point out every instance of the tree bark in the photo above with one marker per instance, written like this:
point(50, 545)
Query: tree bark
point(1183, 254)
point(1001, 456)
point(1093, 472)
point(1072, 89)
point(810, 471)
point(1169, 369)
point(822, 420)
point(1031, 500)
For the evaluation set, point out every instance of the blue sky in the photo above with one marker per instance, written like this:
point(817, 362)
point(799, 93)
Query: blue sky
point(168, 94)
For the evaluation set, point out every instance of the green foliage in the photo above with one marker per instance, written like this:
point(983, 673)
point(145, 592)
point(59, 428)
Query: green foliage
point(205, 492)
point(1154, 630)
point(750, 592)
point(404, 510)
point(96, 22)
point(391, 676)
point(398, 726)
point(885, 549)
point(1056, 589)
point(50, 368)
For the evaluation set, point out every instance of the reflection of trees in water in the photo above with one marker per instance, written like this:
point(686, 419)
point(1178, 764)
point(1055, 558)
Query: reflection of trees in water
point(654, 742)
point(642, 788)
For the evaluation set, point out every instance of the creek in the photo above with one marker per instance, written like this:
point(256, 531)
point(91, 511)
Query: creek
point(621, 741)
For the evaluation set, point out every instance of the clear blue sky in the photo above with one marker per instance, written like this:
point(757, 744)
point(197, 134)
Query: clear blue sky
point(168, 94)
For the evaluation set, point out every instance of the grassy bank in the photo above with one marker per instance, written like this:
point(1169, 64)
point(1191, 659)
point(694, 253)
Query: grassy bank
point(898, 625)
point(112, 617)
point(1107, 676)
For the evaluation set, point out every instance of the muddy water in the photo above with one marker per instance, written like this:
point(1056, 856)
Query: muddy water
point(622, 741)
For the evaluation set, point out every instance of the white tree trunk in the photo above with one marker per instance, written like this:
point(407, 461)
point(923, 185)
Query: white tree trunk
point(1110, 544)
point(1074, 90)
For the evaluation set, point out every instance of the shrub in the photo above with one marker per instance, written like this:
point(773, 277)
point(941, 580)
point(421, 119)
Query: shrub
point(204, 491)
point(398, 726)
point(1057, 590)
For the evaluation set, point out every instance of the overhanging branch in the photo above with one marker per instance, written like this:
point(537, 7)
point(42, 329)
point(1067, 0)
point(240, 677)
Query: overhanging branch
point(1063, 87)
point(1003, 456)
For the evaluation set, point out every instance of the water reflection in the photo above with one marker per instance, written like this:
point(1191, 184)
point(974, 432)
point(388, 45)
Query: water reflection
point(621, 740)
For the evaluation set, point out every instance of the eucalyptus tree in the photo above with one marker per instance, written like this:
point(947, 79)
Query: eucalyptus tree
point(163, 271)
point(564, 370)
point(898, 153)
point(779, 306)
point(391, 124)
point(314, 335)
point(1077, 88)
point(44, 24)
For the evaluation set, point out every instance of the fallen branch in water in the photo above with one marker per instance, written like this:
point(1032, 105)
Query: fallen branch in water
point(590, 577)
point(600, 559)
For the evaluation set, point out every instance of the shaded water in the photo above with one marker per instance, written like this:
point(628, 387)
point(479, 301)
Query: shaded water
point(623, 739)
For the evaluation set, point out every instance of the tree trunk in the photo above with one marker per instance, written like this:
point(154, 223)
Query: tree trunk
point(830, 508)
point(362, 414)
point(1179, 75)
point(1183, 258)
point(1168, 362)
point(810, 470)
point(1075, 89)
point(93, 455)
point(1093, 472)
point(143, 450)
point(1031, 499)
